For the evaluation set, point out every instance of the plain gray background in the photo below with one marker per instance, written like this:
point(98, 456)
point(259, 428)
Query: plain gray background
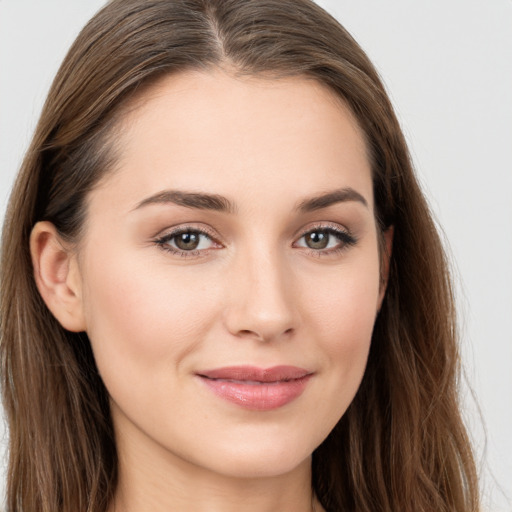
point(448, 67)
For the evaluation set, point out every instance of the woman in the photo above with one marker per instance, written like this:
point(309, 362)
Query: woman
point(221, 285)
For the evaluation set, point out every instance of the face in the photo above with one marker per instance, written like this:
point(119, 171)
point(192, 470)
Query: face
point(229, 272)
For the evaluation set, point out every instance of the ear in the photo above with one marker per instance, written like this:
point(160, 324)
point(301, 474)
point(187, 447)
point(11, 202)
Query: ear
point(386, 249)
point(57, 276)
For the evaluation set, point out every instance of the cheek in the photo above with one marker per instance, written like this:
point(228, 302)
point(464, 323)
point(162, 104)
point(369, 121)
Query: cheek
point(143, 319)
point(350, 315)
point(345, 300)
point(343, 308)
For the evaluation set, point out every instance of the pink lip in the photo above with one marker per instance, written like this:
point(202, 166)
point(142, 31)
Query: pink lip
point(254, 388)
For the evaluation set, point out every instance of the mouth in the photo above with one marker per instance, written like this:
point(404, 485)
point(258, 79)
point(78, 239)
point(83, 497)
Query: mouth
point(254, 388)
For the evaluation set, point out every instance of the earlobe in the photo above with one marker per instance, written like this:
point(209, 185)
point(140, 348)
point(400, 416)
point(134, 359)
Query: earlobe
point(57, 276)
point(387, 248)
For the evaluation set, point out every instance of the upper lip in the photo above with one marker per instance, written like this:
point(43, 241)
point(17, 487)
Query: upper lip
point(255, 374)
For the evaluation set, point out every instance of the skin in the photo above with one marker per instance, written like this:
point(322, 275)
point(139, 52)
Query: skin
point(254, 292)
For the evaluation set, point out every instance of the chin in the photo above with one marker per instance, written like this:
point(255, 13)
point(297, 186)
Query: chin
point(263, 458)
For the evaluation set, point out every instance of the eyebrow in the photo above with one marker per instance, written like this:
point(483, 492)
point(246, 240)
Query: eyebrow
point(196, 200)
point(216, 202)
point(341, 195)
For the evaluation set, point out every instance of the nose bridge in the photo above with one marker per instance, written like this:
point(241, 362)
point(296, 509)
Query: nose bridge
point(261, 305)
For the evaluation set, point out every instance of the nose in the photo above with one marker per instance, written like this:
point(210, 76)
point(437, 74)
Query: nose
point(261, 303)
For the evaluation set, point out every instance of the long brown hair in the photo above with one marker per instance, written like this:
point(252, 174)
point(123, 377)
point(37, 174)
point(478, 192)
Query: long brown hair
point(401, 445)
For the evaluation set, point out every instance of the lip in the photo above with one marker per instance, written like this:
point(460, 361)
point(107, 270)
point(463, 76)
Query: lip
point(260, 389)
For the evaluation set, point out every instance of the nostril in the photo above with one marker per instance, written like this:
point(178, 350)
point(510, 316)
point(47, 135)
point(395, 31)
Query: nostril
point(263, 336)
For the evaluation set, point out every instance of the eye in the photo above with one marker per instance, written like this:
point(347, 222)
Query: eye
point(325, 239)
point(187, 240)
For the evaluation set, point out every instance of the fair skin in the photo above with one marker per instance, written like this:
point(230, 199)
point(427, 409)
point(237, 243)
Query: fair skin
point(170, 286)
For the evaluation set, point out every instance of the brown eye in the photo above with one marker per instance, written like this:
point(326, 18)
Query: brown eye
point(317, 239)
point(325, 240)
point(187, 241)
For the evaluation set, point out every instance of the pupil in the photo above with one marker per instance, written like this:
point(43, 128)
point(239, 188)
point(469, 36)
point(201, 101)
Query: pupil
point(187, 241)
point(317, 240)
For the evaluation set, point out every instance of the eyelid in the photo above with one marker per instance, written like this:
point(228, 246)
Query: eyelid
point(168, 234)
point(325, 225)
point(345, 236)
point(189, 226)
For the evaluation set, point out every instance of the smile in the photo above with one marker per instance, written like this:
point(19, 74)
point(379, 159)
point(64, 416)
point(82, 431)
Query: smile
point(256, 388)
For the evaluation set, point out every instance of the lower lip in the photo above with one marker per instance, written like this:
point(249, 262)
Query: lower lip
point(260, 397)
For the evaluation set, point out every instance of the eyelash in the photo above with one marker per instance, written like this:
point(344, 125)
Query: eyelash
point(163, 241)
point(346, 240)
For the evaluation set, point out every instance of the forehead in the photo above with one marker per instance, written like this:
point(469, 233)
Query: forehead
point(214, 132)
